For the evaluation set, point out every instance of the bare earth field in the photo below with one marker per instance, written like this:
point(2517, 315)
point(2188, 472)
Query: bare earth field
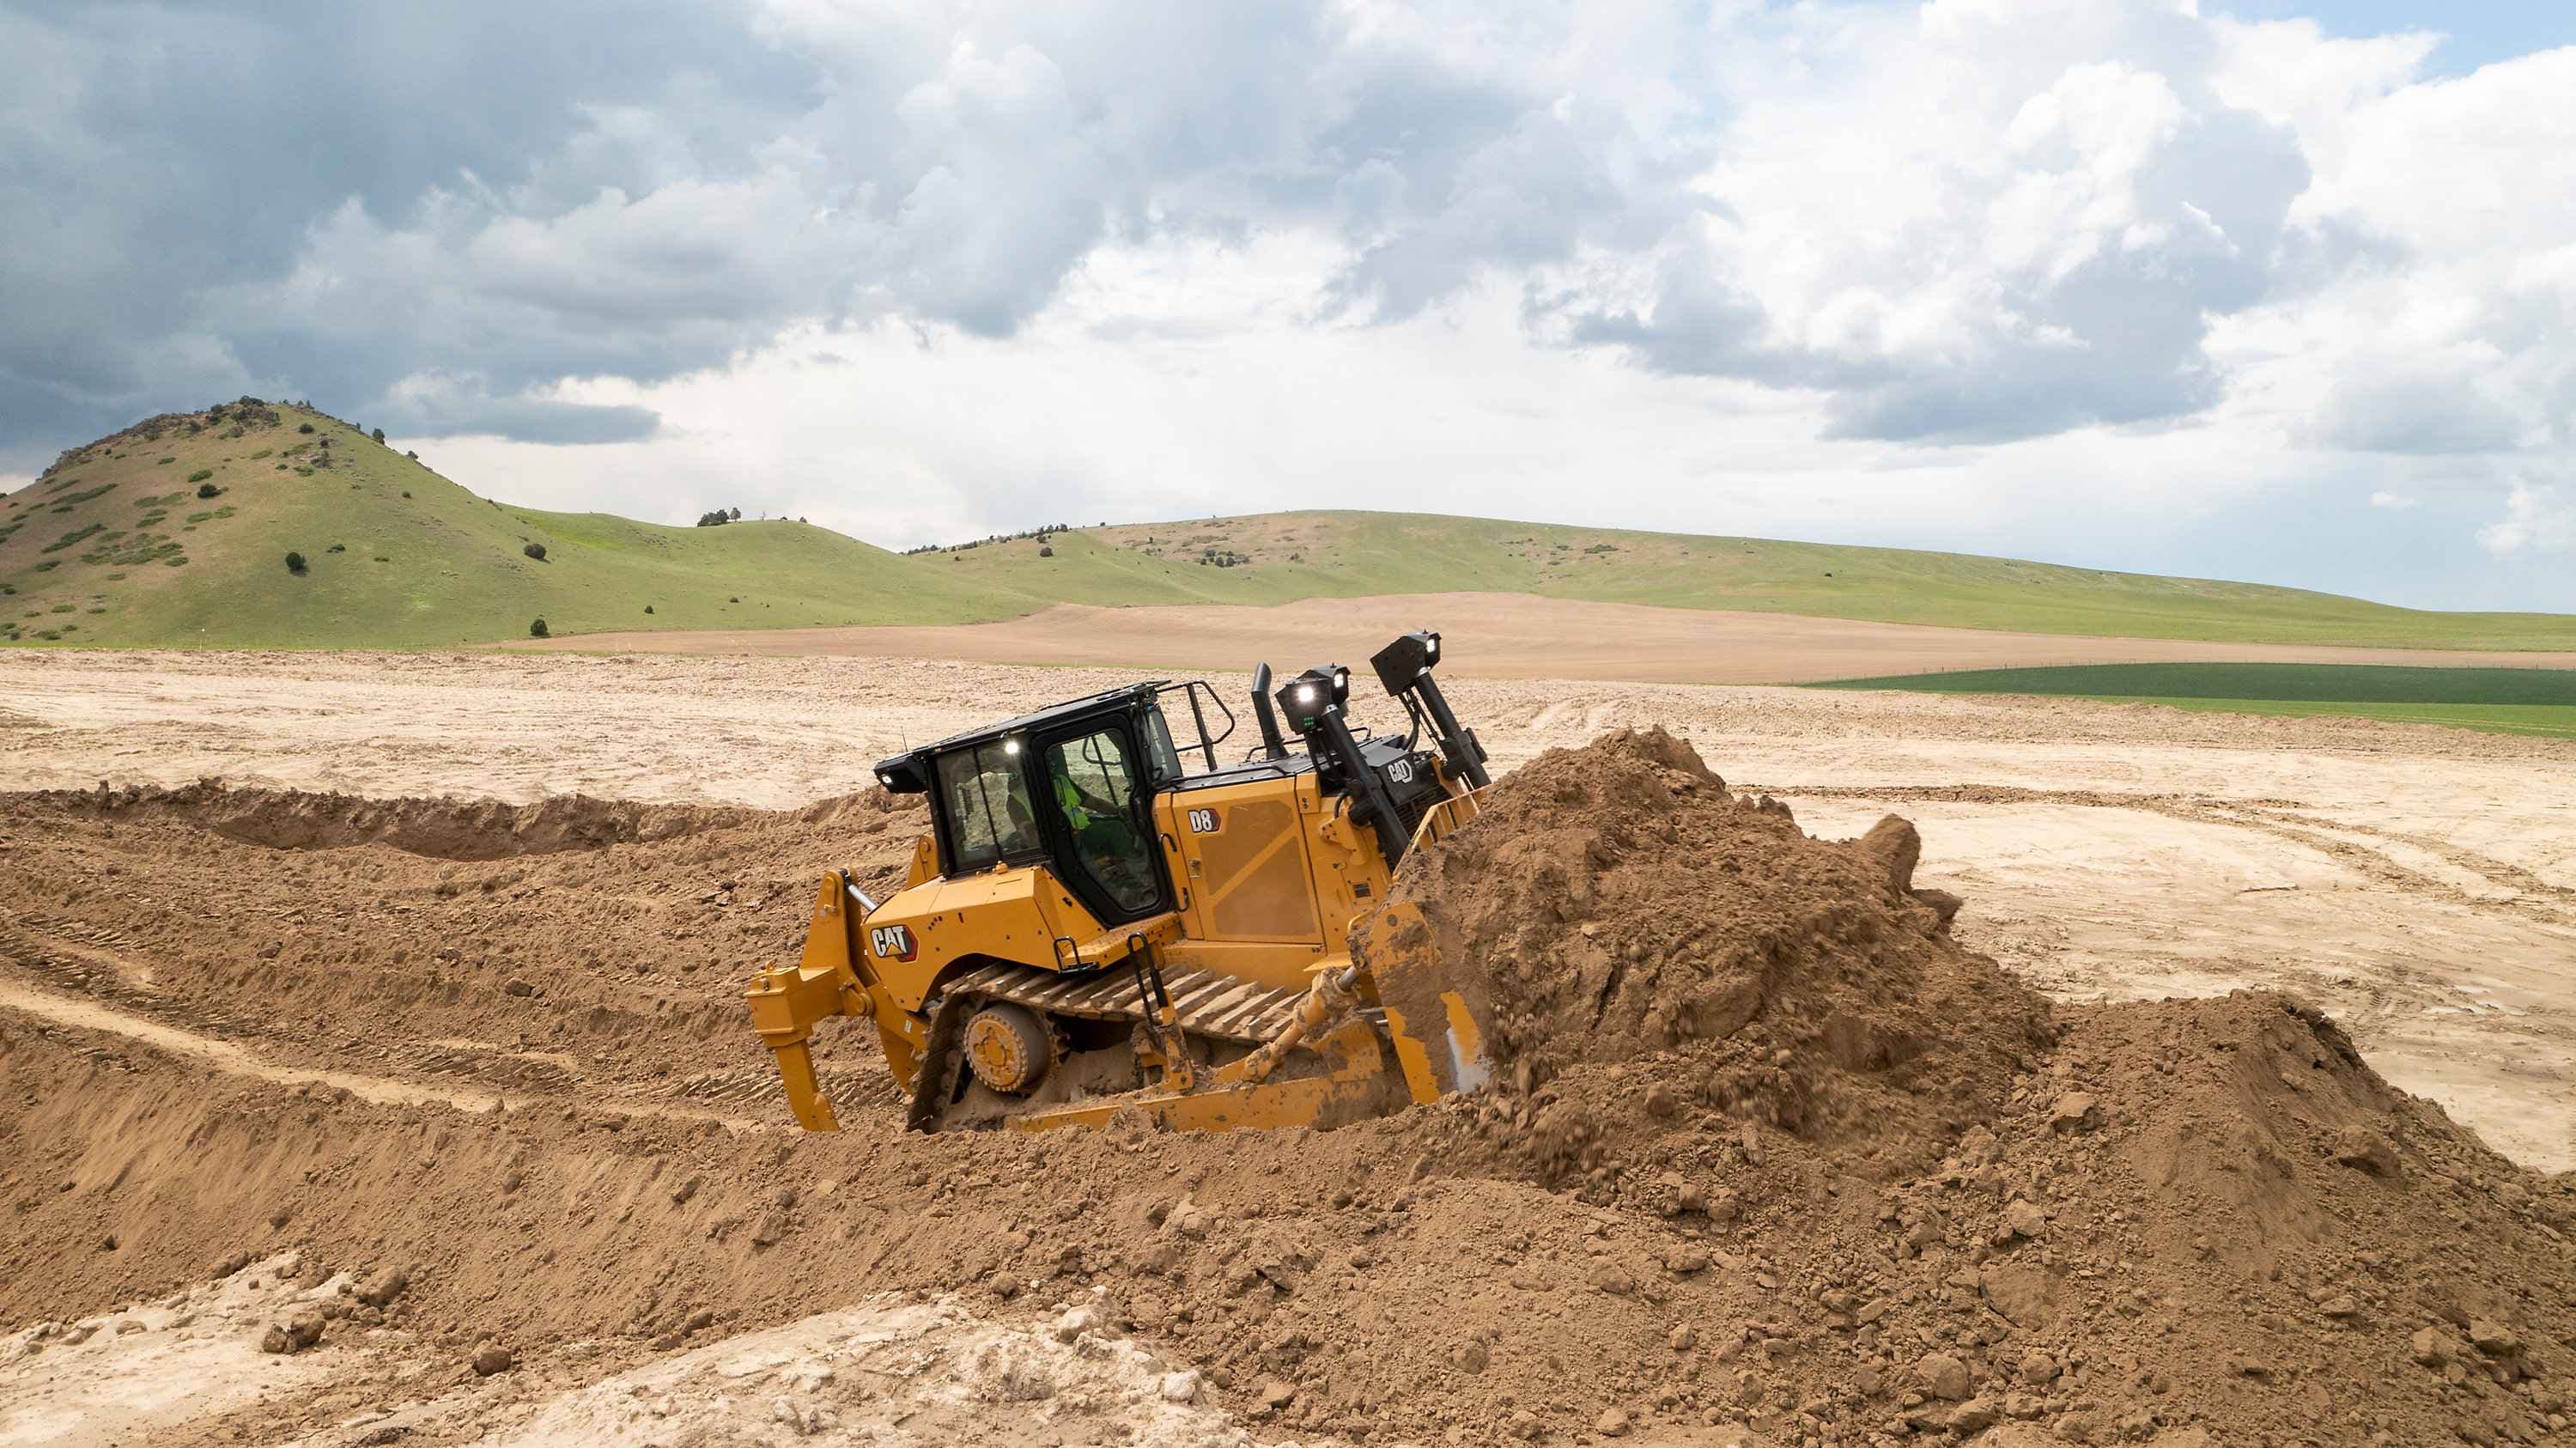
point(2420, 882)
point(1503, 636)
point(501, 1052)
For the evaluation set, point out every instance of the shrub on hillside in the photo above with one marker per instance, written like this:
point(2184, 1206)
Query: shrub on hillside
point(200, 475)
point(536, 551)
point(537, 629)
point(295, 563)
point(378, 435)
point(1046, 552)
point(209, 490)
point(648, 608)
point(304, 427)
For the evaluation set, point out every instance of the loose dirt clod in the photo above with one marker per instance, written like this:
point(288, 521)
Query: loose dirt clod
point(293, 1335)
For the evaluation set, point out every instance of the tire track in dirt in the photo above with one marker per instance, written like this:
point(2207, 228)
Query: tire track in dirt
point(2283, 819)
point(2502, 873)
point(139, 1017)
point(227, 1056)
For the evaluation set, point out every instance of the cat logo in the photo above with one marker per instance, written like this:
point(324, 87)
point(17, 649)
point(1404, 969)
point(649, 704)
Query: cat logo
point(1202, 821)
point(893, 942)
point(1401, 771)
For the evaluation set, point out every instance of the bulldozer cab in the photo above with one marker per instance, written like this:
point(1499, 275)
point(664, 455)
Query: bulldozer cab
point(1070, 787)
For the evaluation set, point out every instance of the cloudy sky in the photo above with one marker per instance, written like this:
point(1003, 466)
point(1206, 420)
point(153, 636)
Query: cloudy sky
point(2284, 290)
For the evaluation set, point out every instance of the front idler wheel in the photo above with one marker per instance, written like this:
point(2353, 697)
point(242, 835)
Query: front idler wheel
point(1008, 1048)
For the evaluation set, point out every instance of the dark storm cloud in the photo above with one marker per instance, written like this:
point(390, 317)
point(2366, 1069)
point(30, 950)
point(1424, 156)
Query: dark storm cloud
point(334, 199)
point(159, 156)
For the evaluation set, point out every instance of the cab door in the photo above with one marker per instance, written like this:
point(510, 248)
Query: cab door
point(1093, 789)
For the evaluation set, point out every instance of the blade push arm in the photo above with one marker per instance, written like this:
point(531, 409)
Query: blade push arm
point(788, 1001)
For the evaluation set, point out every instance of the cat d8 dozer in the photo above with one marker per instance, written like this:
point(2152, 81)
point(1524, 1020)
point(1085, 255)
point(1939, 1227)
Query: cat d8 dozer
point(1091, 928)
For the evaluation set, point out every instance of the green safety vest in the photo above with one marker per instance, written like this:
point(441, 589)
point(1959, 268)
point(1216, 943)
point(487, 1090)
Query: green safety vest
point(1071, 798)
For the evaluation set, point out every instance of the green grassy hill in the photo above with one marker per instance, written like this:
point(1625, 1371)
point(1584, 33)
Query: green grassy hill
point(113, 545)
point(1305, 555)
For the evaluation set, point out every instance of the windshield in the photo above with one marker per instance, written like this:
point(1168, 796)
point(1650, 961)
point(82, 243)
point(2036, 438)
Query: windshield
point(987, 801)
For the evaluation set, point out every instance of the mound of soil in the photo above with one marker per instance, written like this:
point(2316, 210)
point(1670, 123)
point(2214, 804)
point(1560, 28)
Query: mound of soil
point(1617, 904)
point(445, 828)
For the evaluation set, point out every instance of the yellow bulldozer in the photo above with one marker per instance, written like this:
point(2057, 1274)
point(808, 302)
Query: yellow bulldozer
point(1091, 927)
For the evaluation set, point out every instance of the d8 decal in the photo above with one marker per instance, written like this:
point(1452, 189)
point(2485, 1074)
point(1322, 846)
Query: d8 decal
point(893, 942)
point(1202, 821)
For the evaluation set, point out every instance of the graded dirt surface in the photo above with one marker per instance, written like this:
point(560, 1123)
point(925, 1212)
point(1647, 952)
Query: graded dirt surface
point(1846, 1168)
point(1505, 636)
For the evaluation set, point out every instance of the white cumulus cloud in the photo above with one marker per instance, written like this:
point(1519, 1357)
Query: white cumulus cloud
point(2537, 519)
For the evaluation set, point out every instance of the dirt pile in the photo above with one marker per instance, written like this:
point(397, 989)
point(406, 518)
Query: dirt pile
point(442, 829)
point(1617, 905)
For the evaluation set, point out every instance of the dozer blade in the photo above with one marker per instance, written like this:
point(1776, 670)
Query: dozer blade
point(1436, 1009)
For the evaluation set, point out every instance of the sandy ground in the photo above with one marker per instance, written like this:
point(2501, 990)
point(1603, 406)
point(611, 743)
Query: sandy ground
point(1503, 636)
point(2418, 883)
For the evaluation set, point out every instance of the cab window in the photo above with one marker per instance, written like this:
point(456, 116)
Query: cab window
point(987, 802)
point(1158, 745)
point(1094, 787)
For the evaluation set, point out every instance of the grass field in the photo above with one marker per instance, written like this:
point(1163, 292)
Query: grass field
point(1345, 554)
point(2512, 701)
point(116, 547)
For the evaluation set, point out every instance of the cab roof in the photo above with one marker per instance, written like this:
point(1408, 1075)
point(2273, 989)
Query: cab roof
point(1052, 713)
point(894, 768)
